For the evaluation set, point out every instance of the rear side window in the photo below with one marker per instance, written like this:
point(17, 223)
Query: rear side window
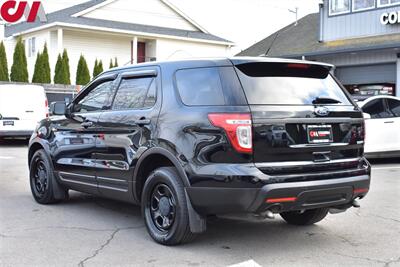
point(216, 86)
point(136, 93)
point(289, 84)
point(376, 109)
point(394, 106)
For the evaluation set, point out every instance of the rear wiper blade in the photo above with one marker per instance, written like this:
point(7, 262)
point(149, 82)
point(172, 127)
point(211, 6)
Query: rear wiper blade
point(325, 100)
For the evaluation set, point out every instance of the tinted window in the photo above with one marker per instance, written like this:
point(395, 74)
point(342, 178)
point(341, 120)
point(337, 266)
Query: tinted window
point(376, 109)
point(394, 106)
point(288, 84)
point(151, 95)
point(97, 99)
point(215, 86)
point(132, 94)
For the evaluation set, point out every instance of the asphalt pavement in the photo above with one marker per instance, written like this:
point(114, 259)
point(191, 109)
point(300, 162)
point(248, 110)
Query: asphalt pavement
point(91, 231)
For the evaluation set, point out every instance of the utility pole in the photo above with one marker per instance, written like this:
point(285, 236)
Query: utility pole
point(295, 11)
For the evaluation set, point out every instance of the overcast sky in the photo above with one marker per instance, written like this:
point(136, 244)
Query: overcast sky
point(242, 21)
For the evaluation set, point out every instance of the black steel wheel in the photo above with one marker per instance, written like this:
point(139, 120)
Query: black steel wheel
point(45, 189)
point(164, 207)
point(40, 177)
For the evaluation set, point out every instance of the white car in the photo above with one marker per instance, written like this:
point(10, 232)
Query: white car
point(21, 108)
point(382, 124)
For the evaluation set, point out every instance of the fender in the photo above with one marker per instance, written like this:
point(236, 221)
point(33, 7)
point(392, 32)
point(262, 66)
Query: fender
point(40, 142)
point(168, 154)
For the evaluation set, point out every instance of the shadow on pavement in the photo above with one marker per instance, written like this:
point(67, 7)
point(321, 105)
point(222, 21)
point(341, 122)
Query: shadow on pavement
point(14, 142)
point(384, 161)
point(222, 231)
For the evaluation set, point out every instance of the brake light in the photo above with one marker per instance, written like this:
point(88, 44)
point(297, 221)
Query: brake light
point(46, 106)
point(237, 127)
point(298, 66)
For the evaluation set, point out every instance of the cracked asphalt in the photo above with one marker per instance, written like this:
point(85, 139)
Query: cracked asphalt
point(90, 231)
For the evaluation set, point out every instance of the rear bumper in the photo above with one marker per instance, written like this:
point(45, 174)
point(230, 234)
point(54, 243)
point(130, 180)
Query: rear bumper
point(15, 133)
point(307, 195)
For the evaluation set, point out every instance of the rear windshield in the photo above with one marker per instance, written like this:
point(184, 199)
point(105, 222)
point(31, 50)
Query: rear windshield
point(215, 86)
point(289, 84)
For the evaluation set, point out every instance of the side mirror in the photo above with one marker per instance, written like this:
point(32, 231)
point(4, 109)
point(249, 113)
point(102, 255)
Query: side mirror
point(58, 108)
point(366, 116)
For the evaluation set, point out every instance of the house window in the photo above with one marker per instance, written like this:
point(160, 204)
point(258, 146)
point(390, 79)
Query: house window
point(31, 46)
point(359, 5)
point(339, 7)
point(388, 2)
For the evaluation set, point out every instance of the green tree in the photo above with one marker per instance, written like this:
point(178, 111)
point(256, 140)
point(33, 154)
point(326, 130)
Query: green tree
point(82, 72)
point(46, 65)
point(58, 73)
point(42, 68)
point(38, 71)
point(19, 68)
point(98, 68)
point(111, 64)
point(116, 62)
point(3, 64)
point(95, 69)
point(65, 67)
point(62, 74)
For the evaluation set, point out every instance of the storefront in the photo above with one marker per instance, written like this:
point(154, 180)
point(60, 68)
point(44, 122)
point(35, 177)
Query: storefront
point(360, 37)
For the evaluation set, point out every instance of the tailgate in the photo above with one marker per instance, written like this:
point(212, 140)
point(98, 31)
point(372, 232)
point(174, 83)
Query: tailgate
point(303, 120)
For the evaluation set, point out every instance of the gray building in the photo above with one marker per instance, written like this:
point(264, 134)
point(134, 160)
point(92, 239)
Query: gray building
point(360, 37)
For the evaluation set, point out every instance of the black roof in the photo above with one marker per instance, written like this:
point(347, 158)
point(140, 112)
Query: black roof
point(214, 62)
point(303, 40)
point(65, 16)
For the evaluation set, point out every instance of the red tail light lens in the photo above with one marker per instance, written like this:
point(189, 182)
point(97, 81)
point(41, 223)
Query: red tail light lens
point(237, 127)
point(281, 200)
point(360, 190)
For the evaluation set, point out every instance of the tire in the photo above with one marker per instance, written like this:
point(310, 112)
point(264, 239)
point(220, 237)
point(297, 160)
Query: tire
point(164, 208)
point(44, 186)
point(307, 217)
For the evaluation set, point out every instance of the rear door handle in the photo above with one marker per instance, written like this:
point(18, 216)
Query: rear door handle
point(389, 122)
point(142, 122)
point(87, 124)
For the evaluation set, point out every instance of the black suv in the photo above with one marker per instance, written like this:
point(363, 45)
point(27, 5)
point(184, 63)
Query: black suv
point(189, 139)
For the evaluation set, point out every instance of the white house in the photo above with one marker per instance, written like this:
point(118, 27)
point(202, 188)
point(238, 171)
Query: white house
point(132, 31)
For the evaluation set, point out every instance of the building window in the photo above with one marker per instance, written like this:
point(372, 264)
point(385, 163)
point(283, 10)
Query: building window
point(31, 46)
point(387, 2)
point(359, 5)
point(337, 7)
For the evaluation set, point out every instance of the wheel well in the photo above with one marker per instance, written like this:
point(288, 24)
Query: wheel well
point(35, 147)
point(148, 165)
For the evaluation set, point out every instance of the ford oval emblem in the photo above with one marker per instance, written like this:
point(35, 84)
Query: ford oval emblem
point(322, 111)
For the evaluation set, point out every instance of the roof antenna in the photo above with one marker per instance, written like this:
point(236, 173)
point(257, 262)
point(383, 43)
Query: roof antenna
point(295, 11)
point(272, 43)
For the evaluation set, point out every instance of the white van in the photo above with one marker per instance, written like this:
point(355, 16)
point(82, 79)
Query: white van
point(21, 108)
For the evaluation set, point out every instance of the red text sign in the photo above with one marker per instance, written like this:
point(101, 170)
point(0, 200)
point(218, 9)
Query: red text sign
point(13, 11)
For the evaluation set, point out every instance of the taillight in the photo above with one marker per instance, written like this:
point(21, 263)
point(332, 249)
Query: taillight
point(237, 127)
point(46, 106)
